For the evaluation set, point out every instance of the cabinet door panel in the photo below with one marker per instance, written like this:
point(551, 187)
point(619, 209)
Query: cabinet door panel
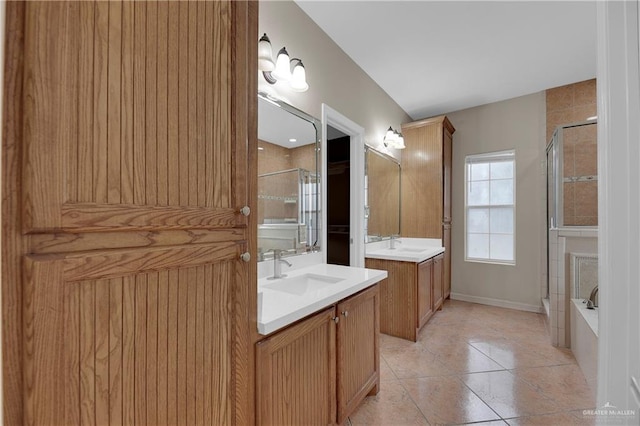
point(398, 298)
point(296, 369)
point(358, 353)
point(437, 281)
point(134, 343)
point(446, 275)
point(112, 143)
point(446, 166)
point(425, 295)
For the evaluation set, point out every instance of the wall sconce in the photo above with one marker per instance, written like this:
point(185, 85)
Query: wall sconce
point(281, 69)
point(394, 139)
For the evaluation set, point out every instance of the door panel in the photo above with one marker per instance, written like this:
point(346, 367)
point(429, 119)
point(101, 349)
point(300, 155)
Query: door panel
point(149, 346)
point(296, 373)
point(128, 153)
point(119, 135)
point(358, 355)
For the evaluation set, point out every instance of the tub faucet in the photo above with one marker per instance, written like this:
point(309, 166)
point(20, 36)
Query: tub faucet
point(591, 303)
point(277, 265)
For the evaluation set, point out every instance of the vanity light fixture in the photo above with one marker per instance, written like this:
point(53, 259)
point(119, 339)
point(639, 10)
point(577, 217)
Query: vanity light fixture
point(281, 69)
point(393, 139)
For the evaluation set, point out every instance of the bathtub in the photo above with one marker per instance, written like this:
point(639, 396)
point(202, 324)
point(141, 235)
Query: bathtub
point(584, 340)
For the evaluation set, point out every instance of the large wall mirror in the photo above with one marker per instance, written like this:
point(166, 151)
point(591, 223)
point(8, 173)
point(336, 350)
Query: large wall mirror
point(382, 196)
point(288, 179)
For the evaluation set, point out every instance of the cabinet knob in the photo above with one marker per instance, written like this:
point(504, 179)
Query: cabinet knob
point(345, 313)
point(245, 211)
point(246, 256)
point(336, 319)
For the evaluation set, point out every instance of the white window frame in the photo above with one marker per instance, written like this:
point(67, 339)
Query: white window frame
point(488, 158)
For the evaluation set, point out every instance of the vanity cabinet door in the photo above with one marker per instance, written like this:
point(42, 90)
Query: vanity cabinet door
point(358, 353)
point(446, 275)
point(296, 371)
point(425, 296)
point(438, 287)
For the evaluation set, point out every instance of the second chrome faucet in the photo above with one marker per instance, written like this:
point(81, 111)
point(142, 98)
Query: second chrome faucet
point(277, 265)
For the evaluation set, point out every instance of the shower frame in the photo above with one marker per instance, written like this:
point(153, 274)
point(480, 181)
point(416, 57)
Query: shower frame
point(557, 219)
point(555, 206)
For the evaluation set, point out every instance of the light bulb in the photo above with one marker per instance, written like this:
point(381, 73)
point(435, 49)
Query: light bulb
point(299, 78)
point(265, 55)
point(282, 70)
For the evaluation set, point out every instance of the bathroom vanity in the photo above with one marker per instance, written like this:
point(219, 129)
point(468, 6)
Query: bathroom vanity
point(319, 369)
point(414, 288)
point(316, 354)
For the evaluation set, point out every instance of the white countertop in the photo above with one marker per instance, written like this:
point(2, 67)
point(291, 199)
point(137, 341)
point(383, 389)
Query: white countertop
point(277, 309)
point(407, 250)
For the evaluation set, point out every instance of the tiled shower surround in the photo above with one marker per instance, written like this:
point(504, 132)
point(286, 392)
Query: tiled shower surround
point(563, 242)
point(575, 103)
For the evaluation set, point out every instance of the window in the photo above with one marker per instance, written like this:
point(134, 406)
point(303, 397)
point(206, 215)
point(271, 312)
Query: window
point(490, 199)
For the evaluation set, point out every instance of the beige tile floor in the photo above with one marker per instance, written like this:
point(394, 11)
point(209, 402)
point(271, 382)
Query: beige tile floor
point(478, 364)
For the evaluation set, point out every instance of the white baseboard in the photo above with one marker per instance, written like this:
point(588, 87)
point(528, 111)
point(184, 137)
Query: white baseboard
point(497, 302)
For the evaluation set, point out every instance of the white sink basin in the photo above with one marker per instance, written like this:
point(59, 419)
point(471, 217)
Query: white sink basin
point(302, 283)
point(412, 249)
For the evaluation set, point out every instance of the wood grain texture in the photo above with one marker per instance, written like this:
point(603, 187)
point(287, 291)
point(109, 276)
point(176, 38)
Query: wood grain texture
point(425, 292)
point(296, 374)
point(406, 296)
point(126, 167)
point(427, 186)
point(13, 244)
point(64, 242)
point(446, 274)
point(102, 217)
point(423, 177)
point(398, 298)
point(243, 168)
point(438, 282)
point(108, 125)
point(105, 322)
point(358, 353)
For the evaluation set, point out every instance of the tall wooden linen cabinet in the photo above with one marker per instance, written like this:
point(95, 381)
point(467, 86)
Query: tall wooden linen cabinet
point(128, 152)
point(426, 185)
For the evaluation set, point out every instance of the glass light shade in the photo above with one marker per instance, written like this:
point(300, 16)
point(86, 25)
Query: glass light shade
point(389, 137)
point(265, 55)
point(282, 70)
point(299, 78)
point(399, 144)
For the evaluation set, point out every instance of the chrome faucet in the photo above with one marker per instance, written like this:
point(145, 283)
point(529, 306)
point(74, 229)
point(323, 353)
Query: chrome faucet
point(277, 265)
point(393, 241)
point(591, 303)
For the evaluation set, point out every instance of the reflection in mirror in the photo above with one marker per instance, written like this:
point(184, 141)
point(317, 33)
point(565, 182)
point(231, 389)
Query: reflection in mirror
point(288, 179)
point(382, 196)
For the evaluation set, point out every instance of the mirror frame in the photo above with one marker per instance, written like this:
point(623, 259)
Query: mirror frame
point(317, 124)
point(368, 148)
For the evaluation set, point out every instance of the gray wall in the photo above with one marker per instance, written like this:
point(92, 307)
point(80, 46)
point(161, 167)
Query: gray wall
point(334, 79)
point(512, 124)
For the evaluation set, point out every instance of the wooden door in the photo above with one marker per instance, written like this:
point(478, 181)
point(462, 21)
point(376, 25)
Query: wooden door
point(424, 292)
point(295, 383)
point(128, 153)
point(358, 351)
point(438, 288)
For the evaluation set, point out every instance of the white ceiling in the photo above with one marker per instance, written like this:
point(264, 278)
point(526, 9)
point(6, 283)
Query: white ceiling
point(437, 57)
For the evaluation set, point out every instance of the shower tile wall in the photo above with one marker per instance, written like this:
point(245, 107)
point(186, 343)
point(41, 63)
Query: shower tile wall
point(273, 158)
point(570, 104)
